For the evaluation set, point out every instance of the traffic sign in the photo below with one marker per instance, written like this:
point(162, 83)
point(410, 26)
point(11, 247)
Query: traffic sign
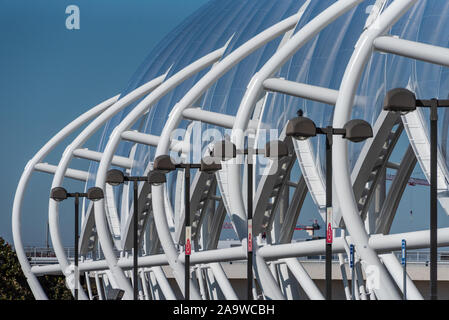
point(351, 256)
point(404, 252)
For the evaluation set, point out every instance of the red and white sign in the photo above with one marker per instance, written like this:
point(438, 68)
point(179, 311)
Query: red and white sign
point(188, 242)
point(329, 237)
point(250, 235)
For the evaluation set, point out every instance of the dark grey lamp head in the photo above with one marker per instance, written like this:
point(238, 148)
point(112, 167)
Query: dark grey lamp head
point(95, 194)
point(400, 100)
point(156, 177)
point(357, 130)
point(115, 177)
point(164, 164)
point(58, 194)
point(301, 127)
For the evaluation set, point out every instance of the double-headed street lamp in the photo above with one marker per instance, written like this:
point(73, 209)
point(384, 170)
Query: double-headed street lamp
point(356, 130)
point(60, 194)
point(226, 150)
point(116, 177)
point(404, 101)
point(164, 164)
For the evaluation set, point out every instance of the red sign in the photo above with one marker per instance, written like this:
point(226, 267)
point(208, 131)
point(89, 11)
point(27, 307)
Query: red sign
point(188, 247)
point(329, 225)
point(188, 241)
point(329, 233)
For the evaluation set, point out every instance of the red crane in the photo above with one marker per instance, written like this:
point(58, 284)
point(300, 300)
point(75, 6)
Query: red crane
point(310, 229)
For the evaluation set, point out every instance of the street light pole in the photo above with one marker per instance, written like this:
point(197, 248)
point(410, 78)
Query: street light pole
point(116, 177)
point(60, 194)
point(404, 101)
point(329, 235)
point(76, 243)
point(433, 200)
point(135, 239)
point(225, 150)
point(164, 164)
point(356, 130)
point(188, 241)
point(249, 269)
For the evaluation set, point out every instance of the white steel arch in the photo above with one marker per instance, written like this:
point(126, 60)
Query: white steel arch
point(30, 167)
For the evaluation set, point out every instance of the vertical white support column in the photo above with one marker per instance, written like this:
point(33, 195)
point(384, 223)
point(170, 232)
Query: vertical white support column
point(344, 277)
point(143, 279)
point(99, 287)
point(200, 278)
point(89, 287)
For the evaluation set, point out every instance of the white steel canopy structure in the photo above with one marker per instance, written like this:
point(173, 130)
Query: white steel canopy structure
point(239, 70)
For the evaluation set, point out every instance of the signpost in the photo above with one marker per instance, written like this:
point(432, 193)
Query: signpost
point(351, 265)
point(404, 265)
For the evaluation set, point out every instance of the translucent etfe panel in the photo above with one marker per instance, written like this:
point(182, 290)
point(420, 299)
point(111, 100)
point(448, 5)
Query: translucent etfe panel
point(425, 22)
point(206, 30)
point(321, 62)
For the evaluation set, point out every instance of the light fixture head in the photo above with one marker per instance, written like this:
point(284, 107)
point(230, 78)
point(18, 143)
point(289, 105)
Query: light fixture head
point(224, 150)
point(357, 130)
point(115, 177)
point(400, 100)
point(58, 194)
point(210, 164)
point(164, 164)
point(156, 177)
point(301, 128)
point(276, 149)
point(95, 194)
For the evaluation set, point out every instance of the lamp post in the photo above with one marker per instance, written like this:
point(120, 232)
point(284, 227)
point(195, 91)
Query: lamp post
point(404, 101)
point(60, 194)
point(226, 150)
point(356, 130)
point(116, 177)
point(164, 164)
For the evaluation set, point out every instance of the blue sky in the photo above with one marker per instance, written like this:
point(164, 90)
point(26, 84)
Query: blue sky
point(49, 75)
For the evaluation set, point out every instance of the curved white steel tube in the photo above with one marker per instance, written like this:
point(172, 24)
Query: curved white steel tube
point(396, 271)
point(255, 88)
point(125, 124)
point(304, 280)
point(23, 182)
point(223, 282)
point(202, 85)
point(53, 207)
point(340, 161)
